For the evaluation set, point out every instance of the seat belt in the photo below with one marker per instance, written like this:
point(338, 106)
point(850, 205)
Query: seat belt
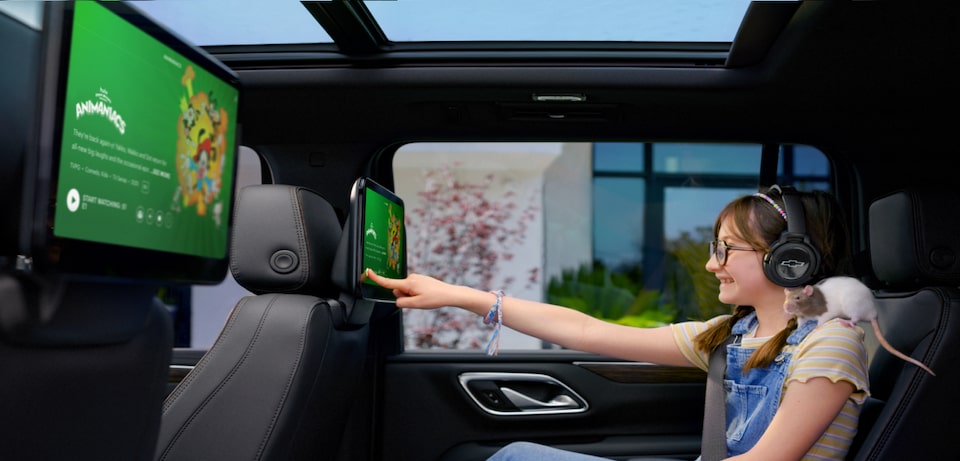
point(713, 446)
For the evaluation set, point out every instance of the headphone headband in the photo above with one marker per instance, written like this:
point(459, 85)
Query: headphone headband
point(792, 260)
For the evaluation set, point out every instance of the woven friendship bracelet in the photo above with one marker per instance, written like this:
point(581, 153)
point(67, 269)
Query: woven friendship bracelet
point(495, 317)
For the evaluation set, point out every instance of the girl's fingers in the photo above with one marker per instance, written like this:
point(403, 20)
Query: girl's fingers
point(375, 277)
point(393, 284)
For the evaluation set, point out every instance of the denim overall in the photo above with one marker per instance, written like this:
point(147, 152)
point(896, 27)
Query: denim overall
point(752, 400)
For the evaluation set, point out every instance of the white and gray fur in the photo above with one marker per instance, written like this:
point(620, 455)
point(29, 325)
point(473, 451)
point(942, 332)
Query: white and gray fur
point(841, 297)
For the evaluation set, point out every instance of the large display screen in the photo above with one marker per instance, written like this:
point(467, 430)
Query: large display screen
point(148, 142)
point(141, 153)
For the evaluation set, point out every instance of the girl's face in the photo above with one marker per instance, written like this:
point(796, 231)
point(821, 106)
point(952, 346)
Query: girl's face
point(742, 281)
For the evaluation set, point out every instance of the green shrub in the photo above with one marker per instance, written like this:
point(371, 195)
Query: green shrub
point(613, 296)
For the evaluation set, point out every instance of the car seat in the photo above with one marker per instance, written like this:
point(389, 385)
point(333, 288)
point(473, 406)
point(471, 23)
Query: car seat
point(85, 368)
point(914, 237)
point(279, 380)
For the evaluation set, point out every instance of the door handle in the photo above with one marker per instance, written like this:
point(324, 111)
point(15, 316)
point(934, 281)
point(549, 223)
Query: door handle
point(525, 402)
point(516, 394)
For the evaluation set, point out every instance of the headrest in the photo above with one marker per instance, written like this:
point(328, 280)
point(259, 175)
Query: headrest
point(284, 240)
point(915, 237)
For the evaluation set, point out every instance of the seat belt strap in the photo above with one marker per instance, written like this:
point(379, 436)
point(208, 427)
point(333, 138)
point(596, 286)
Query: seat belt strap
point(713, 446)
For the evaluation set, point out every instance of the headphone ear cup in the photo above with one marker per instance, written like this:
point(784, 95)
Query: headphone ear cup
point(791, 262)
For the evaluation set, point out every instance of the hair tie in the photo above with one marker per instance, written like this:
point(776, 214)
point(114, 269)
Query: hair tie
point(769, 200)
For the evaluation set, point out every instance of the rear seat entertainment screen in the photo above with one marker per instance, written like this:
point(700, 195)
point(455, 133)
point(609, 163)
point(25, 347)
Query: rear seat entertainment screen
point(384, 238)
point(148, 142)
point(375, 238)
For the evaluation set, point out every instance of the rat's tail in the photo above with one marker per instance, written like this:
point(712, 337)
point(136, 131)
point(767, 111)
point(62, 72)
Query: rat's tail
point(888, 347)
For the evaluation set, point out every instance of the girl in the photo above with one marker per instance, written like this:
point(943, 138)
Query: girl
point(807, 385)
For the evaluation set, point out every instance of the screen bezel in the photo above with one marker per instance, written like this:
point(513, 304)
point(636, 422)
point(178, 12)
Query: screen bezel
point(356, 227)
point(78, 258)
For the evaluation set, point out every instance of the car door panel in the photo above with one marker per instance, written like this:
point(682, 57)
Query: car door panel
point(468, 405)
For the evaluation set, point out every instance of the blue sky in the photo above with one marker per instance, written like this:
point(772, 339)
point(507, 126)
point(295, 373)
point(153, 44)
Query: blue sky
point(206, 22)
point(217, 22)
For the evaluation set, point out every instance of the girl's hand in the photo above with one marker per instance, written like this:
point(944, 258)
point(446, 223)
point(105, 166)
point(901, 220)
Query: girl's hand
point(417, 291)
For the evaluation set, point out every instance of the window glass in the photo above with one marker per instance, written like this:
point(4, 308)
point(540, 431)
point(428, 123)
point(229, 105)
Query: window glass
point(809, 161)
point(618, 156)
point(476, 217)
point(618, 204)
point(583, 225)
point(678, 202)
point(282, 22)
point(706, 158)
point(688, 289)
point(564, 20)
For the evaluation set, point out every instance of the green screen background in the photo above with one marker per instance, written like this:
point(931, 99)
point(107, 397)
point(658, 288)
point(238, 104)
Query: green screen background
point(383, 236)
point(126, 180)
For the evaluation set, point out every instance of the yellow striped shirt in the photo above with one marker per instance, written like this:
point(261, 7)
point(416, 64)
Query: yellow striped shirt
point(832, 350)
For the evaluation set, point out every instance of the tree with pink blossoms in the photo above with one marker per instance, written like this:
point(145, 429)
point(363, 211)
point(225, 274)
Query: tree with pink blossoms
point(460, 233)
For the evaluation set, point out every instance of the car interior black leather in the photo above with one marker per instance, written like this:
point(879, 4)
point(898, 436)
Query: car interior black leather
point(279, 380)
point(85, 368)
point(915, 254)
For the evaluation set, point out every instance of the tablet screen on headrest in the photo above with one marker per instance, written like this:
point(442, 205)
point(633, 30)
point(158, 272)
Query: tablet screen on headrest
point(383, 239)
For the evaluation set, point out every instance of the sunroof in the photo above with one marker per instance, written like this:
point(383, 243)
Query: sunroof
point(237, 22)
point(249, 22)
point(559, 20)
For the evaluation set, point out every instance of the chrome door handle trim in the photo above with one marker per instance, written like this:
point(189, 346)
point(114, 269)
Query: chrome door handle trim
point(565, 400)
point(525, 402)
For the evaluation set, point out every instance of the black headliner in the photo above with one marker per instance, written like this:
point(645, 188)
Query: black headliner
point(861, 80)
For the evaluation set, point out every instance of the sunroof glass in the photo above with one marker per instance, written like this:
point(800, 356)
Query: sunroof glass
point(237, 22)
point(249, 22)
point(559, 20)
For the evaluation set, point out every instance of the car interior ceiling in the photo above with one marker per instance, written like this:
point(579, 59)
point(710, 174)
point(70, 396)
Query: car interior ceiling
point(411, 100)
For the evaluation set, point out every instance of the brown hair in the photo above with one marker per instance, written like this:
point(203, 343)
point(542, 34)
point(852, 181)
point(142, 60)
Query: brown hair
point(760, 225)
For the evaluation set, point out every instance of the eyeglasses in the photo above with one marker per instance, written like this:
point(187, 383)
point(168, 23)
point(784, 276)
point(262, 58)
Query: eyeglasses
point(719, 249)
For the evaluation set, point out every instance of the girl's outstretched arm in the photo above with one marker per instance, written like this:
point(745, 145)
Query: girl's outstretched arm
point(559, 325)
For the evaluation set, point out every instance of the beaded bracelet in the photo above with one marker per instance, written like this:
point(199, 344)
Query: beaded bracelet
point(495, 315)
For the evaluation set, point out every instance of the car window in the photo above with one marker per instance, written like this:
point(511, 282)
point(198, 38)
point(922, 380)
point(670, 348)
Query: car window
point(617, 230)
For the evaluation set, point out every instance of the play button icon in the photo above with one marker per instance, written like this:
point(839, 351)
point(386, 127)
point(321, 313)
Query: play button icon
point(73, 200)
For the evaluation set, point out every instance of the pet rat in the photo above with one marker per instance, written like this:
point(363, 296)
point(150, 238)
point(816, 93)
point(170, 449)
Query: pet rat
point(841, 297)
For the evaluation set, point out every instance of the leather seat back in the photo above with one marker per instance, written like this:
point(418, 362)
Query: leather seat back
point(279, 380)
point(915, 254)
point(88, 382)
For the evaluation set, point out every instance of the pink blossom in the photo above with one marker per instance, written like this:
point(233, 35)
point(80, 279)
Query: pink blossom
point(477, 233)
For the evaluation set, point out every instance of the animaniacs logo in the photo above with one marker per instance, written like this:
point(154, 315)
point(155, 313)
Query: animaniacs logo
point(102, 107)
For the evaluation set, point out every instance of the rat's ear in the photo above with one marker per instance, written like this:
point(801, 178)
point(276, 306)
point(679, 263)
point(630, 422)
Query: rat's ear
point(808, 290)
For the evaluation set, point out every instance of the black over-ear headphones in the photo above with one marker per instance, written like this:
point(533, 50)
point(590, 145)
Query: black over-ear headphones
point(792, 260)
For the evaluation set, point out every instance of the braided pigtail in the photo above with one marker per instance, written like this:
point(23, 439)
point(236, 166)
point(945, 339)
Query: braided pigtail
point(709, 339)
point(762, 357)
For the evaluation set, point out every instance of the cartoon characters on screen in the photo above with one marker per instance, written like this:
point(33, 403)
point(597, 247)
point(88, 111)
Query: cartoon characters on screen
point(394, 233)
point(201, 144)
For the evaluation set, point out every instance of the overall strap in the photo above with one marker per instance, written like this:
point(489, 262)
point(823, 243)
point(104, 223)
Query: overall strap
point(713, 446)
